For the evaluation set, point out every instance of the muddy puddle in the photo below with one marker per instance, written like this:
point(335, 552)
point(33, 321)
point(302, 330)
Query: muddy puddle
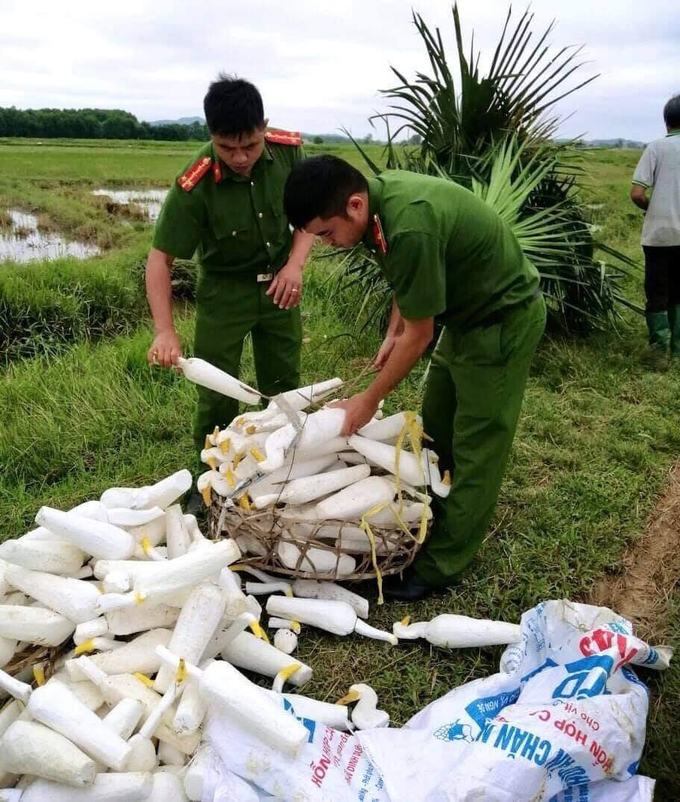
point(23, 242)
point(150, 200)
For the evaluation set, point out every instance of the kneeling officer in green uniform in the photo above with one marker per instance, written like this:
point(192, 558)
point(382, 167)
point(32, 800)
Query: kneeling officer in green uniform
point(447, 256)
point(227, 207)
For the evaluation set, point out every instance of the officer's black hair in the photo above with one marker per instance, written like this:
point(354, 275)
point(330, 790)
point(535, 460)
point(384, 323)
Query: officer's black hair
point(671, 112)
point(233, 106)
point(320, 187)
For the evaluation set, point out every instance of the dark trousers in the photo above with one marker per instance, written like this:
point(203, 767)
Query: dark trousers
point(471, 407)
point(228, 308)
point(662, 278)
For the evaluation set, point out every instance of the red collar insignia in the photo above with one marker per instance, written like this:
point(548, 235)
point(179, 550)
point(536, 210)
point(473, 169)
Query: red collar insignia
point(217, 171)
point(379, 235)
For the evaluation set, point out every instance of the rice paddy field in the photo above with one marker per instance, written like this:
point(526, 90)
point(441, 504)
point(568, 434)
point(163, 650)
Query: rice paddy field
point(81, 410)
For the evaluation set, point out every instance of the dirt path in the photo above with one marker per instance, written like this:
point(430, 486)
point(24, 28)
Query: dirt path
point(650, 569)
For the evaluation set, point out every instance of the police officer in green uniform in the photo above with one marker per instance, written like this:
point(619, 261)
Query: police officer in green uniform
point(227, 207)
point(447, 256)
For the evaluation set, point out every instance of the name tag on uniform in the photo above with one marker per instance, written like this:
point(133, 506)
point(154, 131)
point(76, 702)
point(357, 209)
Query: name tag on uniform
point(264, 277)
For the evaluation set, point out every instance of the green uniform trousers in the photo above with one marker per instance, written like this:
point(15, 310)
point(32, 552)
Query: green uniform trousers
point(471, 407)
point(228, 307)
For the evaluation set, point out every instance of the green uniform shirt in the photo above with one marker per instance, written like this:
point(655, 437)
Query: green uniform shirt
point(447, 253)
point(234, 223)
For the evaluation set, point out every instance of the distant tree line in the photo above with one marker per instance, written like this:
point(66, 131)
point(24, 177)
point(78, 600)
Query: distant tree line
point(92, 124)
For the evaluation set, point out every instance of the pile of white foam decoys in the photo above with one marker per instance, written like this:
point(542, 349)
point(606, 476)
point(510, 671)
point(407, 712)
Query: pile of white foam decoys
point(319, 484)
point(148, 621)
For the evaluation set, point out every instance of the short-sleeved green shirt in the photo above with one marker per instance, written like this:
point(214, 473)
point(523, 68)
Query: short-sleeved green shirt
point(233, 223)
point(447, 253)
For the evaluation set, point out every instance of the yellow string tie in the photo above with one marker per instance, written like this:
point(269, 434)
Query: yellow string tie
point(205, 493)
point(229, 476)
point(207, 443)
point(139, 597)
point(85, 646)
point(287, 672)
point(146, 545)
point(244, 503)
point(39, 675)
point(237, 460)
point(144, 679)
point(258, 631)
point(212, 463)
point(257, 454)
point(181, 674)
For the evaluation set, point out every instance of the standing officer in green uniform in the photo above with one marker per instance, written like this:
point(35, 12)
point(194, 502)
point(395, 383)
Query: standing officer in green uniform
point(448, 256)
point(227, 207)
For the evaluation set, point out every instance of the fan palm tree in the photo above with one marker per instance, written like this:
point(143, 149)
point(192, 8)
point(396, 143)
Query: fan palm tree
point(493, 134)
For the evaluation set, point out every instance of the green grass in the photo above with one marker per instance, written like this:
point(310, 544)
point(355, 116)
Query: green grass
point(596, 440)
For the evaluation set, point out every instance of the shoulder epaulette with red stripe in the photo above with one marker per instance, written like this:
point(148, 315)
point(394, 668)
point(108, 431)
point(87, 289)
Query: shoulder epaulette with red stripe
point(193, 175)
point(284, 137)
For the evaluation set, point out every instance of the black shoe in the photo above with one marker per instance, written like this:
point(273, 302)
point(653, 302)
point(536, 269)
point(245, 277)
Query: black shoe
point(407, 587)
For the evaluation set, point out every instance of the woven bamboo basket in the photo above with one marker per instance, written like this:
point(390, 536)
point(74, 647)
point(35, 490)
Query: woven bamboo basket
point(395, 549)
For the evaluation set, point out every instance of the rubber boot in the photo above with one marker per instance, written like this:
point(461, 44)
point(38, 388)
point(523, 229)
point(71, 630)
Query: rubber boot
point(674, 323)
point(659, 332)
point(659, 337)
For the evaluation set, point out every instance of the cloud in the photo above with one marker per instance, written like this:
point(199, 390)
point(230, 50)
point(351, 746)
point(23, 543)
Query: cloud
point(319, 66)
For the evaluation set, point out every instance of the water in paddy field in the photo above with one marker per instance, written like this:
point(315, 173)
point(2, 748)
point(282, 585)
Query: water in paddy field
point(24, 243)
point(150, 200)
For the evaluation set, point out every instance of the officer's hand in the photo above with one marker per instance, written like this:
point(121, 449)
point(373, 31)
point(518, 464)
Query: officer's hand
point(359, 409)
point(287, 287)
point(166, 349)
point(385, 350)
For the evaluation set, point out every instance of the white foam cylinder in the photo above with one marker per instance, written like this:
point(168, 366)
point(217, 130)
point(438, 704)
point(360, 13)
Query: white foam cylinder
point(8, 714)
point(97, 538)
point(251, 708)
point(302, 397)
point(55, 706)
point(34, 625)
point(166, 788)
point(8, 647)
point(170, 756)
point(192, 707)
point(96, 628)
point(187, 570)
point(248, 652)
point(459, 631)
point(337, 617)
point(195, 626)
point(357, 499)
point(28, 747)
point(138, 655)
point(86, 692)
point(312, 589)
point(73, 598)
point(124, 717)
point(118, 787)
point(206, 375)
point(90, 509)
point(336, 716)
point(134, 569)
point(140, 618)
point(387, 428)
point(385, 456)
point(127, 518)
point(177, 534)
point(317, 560)
point(14, 687)
point(126, 686)
point(309, 488)
point(53, 557)
point(195, 777)
point(317, 428)
point(154, 531)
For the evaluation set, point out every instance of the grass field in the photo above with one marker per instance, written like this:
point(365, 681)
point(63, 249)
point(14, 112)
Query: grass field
point(597, 438)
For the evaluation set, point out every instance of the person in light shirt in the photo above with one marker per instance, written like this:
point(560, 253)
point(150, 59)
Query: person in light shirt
point(658, 171)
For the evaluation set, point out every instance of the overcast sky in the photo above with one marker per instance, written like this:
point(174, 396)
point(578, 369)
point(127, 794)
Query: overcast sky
point(319, 65)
